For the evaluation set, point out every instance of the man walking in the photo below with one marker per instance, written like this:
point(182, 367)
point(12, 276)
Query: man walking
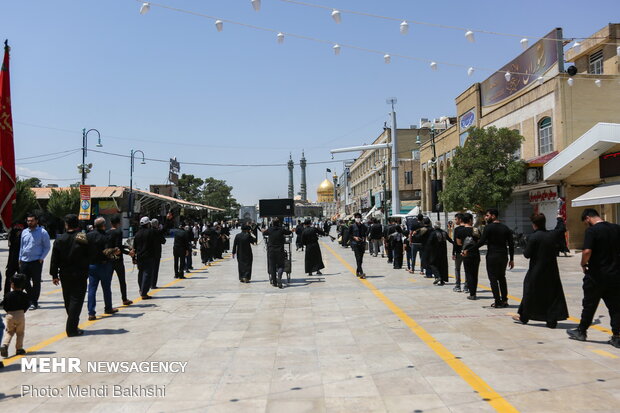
point(275, 251)
point(160, 239)
point(118, 265)
point(310, 239)
point(144, 245)
point(100, 268)
point(500, 246)
point(35, 244)
point(180, 249)
point(600, 261)
point(242, 249)
point(375, 235)
point(69, 268)
point(456, 252)
point(358, 232)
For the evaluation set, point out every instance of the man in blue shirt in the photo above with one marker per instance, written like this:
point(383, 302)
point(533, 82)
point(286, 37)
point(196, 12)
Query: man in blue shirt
point(35, 244)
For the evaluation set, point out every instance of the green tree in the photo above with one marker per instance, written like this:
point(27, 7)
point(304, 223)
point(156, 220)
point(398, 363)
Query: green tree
point(484, 172)
point(190, 188)
point(25, 199)
point(63, 202)
point(33, 182)
point(216, 193)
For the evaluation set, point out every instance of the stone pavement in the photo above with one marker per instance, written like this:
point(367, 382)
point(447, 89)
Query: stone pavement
point(333, 343)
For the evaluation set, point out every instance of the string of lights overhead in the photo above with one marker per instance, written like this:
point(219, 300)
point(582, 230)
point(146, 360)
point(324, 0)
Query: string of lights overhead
point(387, 56)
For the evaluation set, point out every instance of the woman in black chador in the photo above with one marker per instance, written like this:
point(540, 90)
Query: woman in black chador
point(242, 249)
point(310, 239)
point(543, 297)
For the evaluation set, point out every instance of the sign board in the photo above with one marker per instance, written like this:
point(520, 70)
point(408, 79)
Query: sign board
point(175, 166)
point(467, 120)
point(609, 164)
point(544, 195)
point(85, 203)
point(173, 177)
point(524, 69)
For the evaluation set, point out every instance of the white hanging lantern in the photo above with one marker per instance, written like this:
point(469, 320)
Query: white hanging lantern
point(387, 58)
point(404, 27)
point(524, 43)
point(577, 47)
point(280, 38)
point(570, 81)
point(469, 35)
point(507, 76)
point(470, 71)
point(219, 25)
point(336, 16)
point(598, 82)
point(146, 6)
point(541, 80)
point(256, 5)
point(434, 65)
point(336, 49)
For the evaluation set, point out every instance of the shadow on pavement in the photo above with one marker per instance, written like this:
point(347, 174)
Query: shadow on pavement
point(106, 331)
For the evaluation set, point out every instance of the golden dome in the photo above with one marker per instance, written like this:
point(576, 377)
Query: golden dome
point(325, 191)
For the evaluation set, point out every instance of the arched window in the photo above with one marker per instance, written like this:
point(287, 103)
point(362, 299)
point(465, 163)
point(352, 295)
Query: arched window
point(545, 136)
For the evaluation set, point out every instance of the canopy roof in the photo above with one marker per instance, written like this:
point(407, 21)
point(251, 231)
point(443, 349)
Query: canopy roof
point(604, 194)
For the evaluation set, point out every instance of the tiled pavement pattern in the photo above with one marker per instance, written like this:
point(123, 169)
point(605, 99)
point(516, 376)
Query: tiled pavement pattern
point(323, 344)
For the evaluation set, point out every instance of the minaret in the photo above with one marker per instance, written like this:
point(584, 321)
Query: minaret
point(302, 163)
point(291, 188)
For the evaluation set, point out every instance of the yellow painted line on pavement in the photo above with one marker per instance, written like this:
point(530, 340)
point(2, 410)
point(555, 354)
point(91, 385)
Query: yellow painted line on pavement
point(603, 353)
point(576, 320)
point(86, 324)
point(476, 382)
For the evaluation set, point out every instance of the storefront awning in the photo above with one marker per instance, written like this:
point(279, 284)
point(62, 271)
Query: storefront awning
point(604, 194)
point(592, 144)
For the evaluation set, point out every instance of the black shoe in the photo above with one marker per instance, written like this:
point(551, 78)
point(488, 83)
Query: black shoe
point(79, 332)
point(577, 334)
point(466, 290)
point(112, 310)
point(436, 282)
point(319, 273)
point(552, 324)
point(363, 276)
point(154, 287)
point(1, 365)
point(615, 340)
point(280, 284)
point(181, 277)
point(472, 297)
point(146, 297)
point(496, 304)
point(441, 284)
point(20, 352)
point(4, 351)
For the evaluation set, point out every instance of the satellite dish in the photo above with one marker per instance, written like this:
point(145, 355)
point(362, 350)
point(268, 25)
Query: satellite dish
point(572, 70)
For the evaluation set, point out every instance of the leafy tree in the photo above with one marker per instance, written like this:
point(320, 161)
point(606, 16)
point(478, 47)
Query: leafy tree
point(33, 182)
point(190, 188)
point(216, 193)
point(25, 199)
point(63, 202)
point(484, 172)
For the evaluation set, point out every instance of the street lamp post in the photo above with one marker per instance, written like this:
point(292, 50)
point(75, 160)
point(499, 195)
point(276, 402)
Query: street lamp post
point(85, 150)
point(130, 213)
point(433, 164)
point(394, 139)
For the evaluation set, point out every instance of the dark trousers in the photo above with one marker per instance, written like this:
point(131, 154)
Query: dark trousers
point(596, 288)
point(119, 268)
point(275, 261)
point(408, 250)
point(415, 248)
point(496, 270)
point(471, 266)
point(99, 273)
point(11, 269)
point(145, 275)
point(390, 253)
point(179, 263)
point(397, 255)
point(358, 250)
point(32, 270)
point(188, 261)
point(73, 293)
point(156, 262)
point(458, 260)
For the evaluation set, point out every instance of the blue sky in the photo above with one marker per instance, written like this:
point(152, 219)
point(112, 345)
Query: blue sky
point(170, 85)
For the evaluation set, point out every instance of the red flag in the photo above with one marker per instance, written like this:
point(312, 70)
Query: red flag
point(7, 151)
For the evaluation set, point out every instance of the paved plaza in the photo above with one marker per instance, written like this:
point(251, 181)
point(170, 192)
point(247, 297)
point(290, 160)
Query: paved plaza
point(391, 343)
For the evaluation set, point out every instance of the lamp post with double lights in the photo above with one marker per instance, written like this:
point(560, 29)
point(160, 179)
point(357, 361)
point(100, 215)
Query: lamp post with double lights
point(436, 184)
point(85, 169)
point(130, 213)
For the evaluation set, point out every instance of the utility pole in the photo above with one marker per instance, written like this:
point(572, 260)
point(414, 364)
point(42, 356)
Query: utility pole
point(394, 141)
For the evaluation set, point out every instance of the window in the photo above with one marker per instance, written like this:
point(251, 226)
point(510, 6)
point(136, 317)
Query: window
point(408, 177)
point(596, 63)
point(545, 136)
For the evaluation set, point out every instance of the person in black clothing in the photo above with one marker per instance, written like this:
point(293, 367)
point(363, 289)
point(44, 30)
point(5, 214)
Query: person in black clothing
point(413, 225)
point(543, 297)
point(180, 249)
point(299, 229)
point(500, 246)
point(375, 235)
point(12, 263)
point(456, 252)
point(358, 232)
point(242, 250)
point(188, 258)
point(160, 236)
point(420, 237)
point(216, 235)
point(69, 268)
point(116, 239)
point(275, 251)
point(600, 261)
point(144, 245)
point(467, 238)
point(396, 244)
point(15, 304)
point(387, 231)
point(437, 247)
point(310, 239)
point(100, 256)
